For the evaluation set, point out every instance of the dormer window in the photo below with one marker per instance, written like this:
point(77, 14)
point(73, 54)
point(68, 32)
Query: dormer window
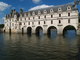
point(51, 10)
point(39, 12)
point(45, 12)
point(33, 13)
point(68, 8)
point(59, 9)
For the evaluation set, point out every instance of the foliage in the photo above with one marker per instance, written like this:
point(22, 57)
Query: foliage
point(1, 25)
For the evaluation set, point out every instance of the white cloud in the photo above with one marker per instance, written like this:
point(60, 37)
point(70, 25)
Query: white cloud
point(40, 7)
point(36, 1)
point(3, 6)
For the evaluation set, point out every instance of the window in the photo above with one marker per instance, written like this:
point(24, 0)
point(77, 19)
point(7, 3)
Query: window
point(33, 17)
point(59, 21)
point(51, 21)
point(24, 23)
point(38, 17)
point(39, 22)
point(51, 16)
point(59, 15)
point(44, 22)
point(20, 23)
point(68, 20)
point(25, 18)
point(32, 23)
point(20, 19)
point(28, 23)
point(45, 16)
point(68, 14)
point(29, 18)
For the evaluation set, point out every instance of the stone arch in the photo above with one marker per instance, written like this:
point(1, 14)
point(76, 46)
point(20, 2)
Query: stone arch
point(39, 30)
point(68, 27)
point(51, 29)
point(29, 30)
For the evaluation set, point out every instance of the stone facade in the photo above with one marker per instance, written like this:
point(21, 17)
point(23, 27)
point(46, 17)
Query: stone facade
point(57, 17)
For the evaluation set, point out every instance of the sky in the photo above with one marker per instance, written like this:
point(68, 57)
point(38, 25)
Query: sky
point(27, 5)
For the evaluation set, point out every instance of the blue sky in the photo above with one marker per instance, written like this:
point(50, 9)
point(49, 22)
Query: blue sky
point(7, 5)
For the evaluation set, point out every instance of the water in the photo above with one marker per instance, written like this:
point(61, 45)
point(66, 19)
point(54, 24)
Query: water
point(24, 47)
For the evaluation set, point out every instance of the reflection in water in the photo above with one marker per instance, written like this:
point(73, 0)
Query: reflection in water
point(24, 47)
point(70, 34)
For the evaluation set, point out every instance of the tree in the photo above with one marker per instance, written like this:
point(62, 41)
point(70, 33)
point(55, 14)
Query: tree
point(1, 25)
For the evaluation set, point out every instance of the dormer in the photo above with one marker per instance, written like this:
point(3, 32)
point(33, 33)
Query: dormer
point(45, 12)
point(51, 11)
point(39, 12)
point(59, 9)
point(33, 13)
point(68, 7)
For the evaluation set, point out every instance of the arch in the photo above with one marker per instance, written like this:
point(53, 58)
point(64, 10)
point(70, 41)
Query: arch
point(29, 30)
point(69, 27)
point(51, 29)
point(39, 30)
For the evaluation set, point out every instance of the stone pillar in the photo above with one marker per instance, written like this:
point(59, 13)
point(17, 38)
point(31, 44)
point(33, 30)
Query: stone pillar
point(45, 30)
point(60, 30)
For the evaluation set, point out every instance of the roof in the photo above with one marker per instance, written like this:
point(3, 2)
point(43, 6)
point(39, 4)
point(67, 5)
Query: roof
point(55, 9)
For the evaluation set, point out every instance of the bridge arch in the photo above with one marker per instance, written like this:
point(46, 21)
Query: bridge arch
point(69, 27)
point(39, 30)
point(29, 30)
point(51, 29)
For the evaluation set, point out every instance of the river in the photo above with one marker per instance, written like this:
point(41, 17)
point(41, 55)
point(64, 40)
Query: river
point(25, 47)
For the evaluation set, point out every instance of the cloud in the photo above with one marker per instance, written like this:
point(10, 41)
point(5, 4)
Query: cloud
point(36, 1)
point(40, 7)
point(4, 6)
